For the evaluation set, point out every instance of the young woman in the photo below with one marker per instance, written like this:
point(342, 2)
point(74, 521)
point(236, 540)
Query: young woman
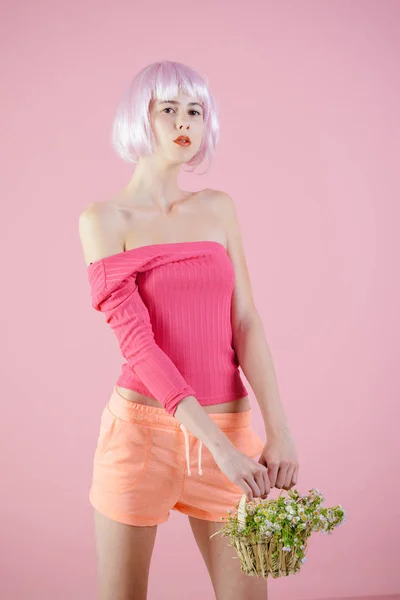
point(166, 267)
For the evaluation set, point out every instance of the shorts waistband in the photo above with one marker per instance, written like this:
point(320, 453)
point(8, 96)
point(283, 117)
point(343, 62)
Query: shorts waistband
point(154, 416)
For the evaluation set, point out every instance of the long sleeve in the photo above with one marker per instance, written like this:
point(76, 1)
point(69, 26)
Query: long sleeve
point(129, 318)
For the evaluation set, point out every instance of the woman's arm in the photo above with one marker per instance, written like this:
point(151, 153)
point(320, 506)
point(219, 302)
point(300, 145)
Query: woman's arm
point(256, 362)
point(247, 328)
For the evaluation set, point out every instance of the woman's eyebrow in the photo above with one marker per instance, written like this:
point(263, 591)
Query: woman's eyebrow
point(176, 102)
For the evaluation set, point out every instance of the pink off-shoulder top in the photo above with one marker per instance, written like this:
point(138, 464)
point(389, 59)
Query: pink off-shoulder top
point(170, 307)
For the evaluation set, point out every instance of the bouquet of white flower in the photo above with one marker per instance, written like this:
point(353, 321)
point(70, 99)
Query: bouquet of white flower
point(270, 536)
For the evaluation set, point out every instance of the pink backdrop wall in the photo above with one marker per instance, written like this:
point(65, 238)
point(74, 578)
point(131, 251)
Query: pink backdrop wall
point(308, 95)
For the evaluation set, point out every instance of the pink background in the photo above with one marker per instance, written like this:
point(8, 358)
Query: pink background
point(308, 94)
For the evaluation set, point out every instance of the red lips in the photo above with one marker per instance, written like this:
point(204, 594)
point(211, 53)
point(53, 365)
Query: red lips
point(183, 140)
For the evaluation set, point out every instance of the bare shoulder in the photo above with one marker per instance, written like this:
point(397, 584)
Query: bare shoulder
point(100, 231)
point(218, 198)
point(224, 207)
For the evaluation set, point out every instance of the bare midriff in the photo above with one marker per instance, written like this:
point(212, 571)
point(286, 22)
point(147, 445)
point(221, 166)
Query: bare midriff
point(238, 405)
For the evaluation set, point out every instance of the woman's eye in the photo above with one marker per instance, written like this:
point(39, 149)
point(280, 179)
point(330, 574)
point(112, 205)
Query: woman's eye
point(192, 111)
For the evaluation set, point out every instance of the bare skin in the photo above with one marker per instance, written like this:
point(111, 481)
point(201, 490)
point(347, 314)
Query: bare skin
point(152, 209)
point(124, 556)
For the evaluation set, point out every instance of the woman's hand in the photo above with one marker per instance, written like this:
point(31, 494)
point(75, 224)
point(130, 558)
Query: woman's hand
point(280, 457)
point(243, 471)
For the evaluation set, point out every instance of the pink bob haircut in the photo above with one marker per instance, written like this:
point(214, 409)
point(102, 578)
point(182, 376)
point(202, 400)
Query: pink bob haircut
point(132, 135)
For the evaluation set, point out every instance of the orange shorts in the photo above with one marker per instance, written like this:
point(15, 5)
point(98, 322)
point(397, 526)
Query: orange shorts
point(143, 459)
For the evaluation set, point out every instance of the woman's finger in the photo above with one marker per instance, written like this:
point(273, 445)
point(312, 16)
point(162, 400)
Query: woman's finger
point(247, 490)
point(250, 480)
point(280, 480)
point(261, 475)
point(289, 477)
point(295, 475)
point(267, 485)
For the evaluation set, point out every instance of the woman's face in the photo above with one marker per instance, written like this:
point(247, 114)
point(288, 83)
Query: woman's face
point(179, 116)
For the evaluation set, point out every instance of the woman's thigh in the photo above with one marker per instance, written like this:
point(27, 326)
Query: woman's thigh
point(123, 558)
point(223, 565)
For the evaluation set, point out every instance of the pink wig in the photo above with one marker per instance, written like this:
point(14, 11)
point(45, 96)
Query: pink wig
point(132, 134)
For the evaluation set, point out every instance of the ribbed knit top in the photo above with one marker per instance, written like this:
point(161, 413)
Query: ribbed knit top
point(170, 307)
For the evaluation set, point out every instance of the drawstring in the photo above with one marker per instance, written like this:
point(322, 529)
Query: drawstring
point(187, 450)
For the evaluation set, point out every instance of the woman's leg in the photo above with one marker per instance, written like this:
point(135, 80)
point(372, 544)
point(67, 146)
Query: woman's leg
point(223, 565)
point(123, 558)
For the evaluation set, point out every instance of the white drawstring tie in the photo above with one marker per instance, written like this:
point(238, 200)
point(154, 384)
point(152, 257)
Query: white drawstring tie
point(185, 433)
